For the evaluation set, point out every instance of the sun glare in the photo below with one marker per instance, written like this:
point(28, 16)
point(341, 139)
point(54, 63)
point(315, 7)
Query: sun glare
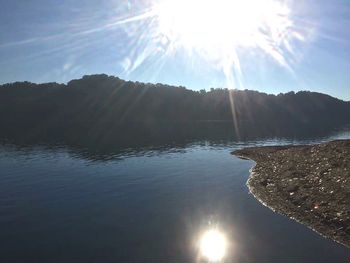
point(221, 33)
point(213, 245)
point(221, 26)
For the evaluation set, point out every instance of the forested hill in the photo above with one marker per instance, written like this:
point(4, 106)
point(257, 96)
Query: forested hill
point(101, 100)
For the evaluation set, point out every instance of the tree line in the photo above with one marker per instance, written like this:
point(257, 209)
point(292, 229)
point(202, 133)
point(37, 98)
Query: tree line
point(102, 103)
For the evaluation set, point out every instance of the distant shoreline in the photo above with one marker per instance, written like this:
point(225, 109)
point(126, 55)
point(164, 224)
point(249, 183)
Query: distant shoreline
point(308, 183)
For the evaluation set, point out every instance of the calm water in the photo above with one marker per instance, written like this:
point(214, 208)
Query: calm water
point(144, 204)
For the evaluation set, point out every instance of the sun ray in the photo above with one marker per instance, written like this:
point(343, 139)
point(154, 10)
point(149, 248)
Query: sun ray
point(219, 32)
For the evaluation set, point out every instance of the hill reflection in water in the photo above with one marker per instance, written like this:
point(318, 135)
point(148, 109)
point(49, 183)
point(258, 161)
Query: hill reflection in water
point(97, 199)
point(122, 140)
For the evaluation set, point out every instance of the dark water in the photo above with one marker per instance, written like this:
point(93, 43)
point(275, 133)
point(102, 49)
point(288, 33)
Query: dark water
point(144, 204)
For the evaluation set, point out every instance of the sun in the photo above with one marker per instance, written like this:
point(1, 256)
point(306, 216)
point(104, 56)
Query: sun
point(213, 245)
point(223, 26)
point(220, 34)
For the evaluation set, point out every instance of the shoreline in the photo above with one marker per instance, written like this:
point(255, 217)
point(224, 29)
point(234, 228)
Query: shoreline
point(308, 183)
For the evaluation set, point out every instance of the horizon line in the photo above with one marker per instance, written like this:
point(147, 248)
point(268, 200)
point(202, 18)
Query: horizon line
point(170, 85)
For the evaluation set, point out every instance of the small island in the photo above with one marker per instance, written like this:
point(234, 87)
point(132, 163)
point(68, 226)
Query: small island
point(308, 183)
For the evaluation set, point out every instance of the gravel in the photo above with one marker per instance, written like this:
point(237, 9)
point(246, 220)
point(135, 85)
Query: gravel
point(308, 183)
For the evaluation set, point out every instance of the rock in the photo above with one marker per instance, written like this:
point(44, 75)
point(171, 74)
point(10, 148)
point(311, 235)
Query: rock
point(292, 188)
point(310, 184)
point(264, 182)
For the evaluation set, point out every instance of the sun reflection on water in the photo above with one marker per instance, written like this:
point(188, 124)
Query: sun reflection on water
point(213, 245)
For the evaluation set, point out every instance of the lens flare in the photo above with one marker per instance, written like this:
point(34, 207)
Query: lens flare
point(218, 35)
point(221, 32)
point(223, 24)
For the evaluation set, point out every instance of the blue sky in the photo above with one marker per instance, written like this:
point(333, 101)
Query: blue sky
point(59, 40)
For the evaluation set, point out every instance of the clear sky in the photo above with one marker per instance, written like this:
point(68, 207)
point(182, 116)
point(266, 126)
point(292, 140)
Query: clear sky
point(59, 40)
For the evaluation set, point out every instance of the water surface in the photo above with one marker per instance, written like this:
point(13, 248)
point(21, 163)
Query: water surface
point(144, 204)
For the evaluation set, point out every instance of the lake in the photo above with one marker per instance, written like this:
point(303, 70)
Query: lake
point(149, 203)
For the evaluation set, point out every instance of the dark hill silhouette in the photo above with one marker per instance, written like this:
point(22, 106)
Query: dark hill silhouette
point(101, 106)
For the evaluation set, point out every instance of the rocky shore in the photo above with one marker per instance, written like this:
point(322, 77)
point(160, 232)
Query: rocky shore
point(310, 184)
